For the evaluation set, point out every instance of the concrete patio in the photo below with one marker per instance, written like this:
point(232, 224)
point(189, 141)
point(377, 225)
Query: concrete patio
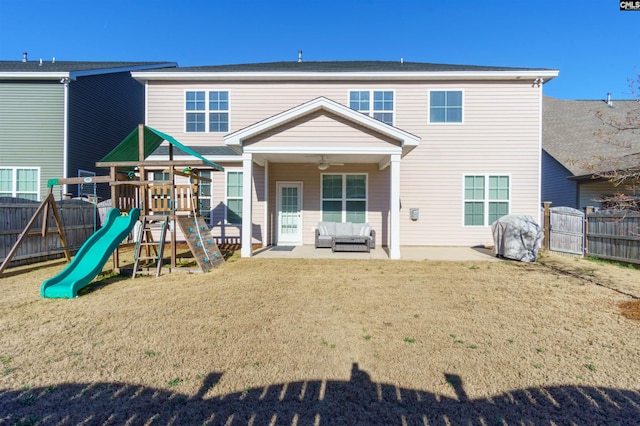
point(408, 253)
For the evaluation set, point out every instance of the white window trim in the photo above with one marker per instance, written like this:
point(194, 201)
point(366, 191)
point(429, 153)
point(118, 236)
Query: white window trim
point(486, 199)
point(227, 198)
point(450, 123)
point(14, 180)
point(371, 111)
point(206, 110)
point(344, 197)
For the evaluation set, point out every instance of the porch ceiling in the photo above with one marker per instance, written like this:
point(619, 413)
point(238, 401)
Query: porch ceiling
point(313, 158)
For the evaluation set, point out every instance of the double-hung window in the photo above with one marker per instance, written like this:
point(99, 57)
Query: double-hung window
point(445, 106)
point(207, 111)
point(21, 182)
point(378, 104)
point(344, 198)
point(234, 198)
point(486, 199)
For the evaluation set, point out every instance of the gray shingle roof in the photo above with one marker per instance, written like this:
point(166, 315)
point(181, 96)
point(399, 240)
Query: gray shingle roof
point(571, 131)
point(346, 66)
point(202, 150)
point(48, 66)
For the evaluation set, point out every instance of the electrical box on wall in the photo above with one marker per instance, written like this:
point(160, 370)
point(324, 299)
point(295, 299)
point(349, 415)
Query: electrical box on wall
point(414, 214)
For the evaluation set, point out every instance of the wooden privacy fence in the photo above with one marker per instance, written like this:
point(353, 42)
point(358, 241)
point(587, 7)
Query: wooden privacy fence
point(610, 235)
point(614, 236)
point(78, 219)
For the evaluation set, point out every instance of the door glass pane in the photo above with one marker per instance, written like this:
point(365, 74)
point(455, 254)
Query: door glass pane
point(289, 211)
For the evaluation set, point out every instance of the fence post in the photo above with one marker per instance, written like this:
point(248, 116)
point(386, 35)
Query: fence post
point(587, 210)
point(547, 225)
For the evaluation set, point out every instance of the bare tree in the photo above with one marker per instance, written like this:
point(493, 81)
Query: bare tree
point(621, 130)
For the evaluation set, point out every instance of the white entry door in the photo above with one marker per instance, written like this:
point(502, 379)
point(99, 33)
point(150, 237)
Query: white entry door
point(289, 213)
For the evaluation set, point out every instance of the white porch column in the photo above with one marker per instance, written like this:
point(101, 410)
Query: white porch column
point(265, 220)
point(394, 209)
point(247, 178)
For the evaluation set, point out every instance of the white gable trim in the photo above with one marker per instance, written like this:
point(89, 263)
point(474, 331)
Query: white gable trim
point(235, 140)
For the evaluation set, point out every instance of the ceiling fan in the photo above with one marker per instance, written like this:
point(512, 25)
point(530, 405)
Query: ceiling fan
point(324, 164)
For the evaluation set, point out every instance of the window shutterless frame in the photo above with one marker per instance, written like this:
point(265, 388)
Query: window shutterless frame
point(233, 197)
point(345, 194)
point(443, 105)
point(485, 198)
point(379, 104)
point(20, 181)
point(207, 110)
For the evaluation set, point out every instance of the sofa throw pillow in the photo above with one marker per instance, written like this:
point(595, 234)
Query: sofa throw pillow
point(326, 228)
point(365, 231)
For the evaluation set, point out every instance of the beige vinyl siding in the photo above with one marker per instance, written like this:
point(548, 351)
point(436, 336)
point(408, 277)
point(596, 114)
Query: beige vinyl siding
point(322, 130)
point(32, 128)
point(310, 176)
point(499, 135)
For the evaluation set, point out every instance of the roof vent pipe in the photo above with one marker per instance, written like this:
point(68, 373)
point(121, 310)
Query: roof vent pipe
point(402, 60)
point(53, 61)
point(609, 103)
point(40, 64)
point(24, 56)
point(299, 55)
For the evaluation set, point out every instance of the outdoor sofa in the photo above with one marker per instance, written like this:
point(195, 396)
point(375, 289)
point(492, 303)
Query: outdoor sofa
point(345, 236)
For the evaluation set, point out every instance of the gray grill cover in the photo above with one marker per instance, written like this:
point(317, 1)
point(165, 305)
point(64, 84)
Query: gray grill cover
point(517, 237)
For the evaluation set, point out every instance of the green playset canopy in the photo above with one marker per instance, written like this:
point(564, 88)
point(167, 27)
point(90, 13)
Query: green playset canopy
point(128, 149)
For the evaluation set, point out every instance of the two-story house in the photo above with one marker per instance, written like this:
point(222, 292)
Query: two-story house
point(427, 154)
point(57, 118)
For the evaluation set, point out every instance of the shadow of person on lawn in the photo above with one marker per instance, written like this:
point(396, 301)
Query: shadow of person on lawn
point(358, 401)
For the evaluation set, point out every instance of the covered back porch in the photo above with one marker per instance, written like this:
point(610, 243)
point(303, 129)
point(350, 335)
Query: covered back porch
point(320, 161)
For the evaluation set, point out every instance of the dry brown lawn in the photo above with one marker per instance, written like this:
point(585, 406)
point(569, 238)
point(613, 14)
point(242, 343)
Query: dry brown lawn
point(278, 341)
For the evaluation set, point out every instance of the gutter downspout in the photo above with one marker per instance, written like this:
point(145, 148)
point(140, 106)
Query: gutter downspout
point(540, 83)
point(65, 130)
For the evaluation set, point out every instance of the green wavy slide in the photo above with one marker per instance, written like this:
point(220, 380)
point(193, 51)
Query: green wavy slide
point(91, 257)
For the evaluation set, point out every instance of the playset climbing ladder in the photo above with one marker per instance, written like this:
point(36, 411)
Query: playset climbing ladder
point(145, 244)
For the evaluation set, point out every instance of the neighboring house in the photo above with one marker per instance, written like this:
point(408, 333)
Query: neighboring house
point(575, 139)
point(58, 118)
point(428, 154)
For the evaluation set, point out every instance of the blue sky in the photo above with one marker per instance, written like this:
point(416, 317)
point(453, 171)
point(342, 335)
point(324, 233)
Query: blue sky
point(593, 44)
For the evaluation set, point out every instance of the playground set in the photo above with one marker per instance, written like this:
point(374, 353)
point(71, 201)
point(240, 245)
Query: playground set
point(151, 205)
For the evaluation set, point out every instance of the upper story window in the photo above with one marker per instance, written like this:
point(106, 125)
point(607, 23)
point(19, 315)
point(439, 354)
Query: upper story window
point(445, 106)
point(207, 111)
point(20, 182)
point(375, 103)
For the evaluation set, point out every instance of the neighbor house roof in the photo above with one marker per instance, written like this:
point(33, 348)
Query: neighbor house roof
point(53, 69)
point(575, 133)
point(346, 70)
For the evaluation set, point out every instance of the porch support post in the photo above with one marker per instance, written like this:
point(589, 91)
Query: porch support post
point(266, 229)
point(247, 178)
point(394, 209)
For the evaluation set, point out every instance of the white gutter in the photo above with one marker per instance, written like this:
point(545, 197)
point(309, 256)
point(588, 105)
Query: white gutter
point(265, 76)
